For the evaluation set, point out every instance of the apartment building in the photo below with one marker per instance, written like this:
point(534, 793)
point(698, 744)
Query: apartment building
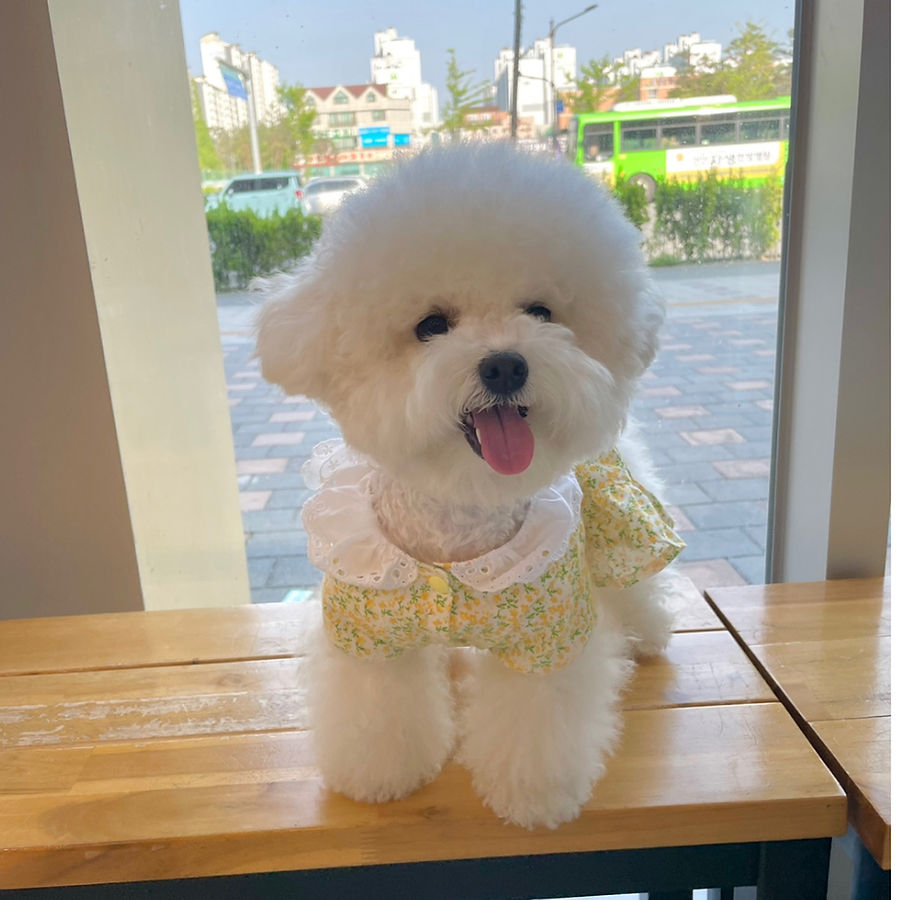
point(218, 107)
point(397, 65)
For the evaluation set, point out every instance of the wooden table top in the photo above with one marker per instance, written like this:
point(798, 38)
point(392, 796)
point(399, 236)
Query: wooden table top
point(825, 649)
point(174, 744)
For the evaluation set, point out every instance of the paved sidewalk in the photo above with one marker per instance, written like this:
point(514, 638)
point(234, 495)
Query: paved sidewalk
point(706, 408)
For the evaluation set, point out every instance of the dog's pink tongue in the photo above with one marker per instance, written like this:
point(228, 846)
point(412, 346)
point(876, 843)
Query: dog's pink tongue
point(507, 443)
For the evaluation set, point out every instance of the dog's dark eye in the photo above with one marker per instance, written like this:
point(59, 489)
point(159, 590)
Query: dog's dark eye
point(539, 311)
point(431, 326)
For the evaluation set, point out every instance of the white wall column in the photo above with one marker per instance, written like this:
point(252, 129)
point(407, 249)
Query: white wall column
point(118, 474)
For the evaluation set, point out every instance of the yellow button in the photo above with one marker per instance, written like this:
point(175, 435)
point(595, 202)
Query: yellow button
point(436, 583)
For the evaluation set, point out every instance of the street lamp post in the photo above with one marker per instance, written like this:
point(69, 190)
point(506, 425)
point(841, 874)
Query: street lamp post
point(554, 115)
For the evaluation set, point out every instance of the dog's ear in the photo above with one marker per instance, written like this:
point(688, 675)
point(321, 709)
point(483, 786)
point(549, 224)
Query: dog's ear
point(291, 330)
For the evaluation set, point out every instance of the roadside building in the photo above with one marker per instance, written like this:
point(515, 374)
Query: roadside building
point(359, 129)
point(657, 82)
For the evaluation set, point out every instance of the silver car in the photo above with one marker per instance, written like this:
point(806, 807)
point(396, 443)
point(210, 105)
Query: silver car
point(324, 195)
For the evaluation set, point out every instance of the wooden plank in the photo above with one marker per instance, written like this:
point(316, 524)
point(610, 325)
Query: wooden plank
point(814, 611)
point(697, 668)
point(179, 637)
point(268, 695)
point(168, 637)
point(692, 612)
point(835, 679)
point(825, 649)
point(153, 702)
point(249, 803)
point(858, 751)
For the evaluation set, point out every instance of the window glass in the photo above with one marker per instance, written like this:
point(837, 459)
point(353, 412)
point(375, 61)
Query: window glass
point(712, 241)
point(642, 137)
point(272, 184)
point(718, 132)
point(598, 142)
point(759, 127)
point(678, 132)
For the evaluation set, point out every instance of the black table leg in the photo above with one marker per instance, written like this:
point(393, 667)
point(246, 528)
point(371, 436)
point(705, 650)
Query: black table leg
point(793, 870)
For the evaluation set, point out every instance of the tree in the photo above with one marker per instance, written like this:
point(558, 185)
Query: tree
point(233, 147)
point(299, 117)
point(279, 143)
point(601, 85)
point(596, 83)
point(207, 157)
point(464, 97)
point(750, 69)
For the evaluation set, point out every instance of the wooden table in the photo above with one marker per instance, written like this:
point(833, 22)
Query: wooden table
point(824, 647)
point(155, 747)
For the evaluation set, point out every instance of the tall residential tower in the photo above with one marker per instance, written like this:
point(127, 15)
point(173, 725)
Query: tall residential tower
point(398, 65)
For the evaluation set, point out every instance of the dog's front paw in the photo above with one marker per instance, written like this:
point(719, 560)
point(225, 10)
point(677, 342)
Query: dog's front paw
point(381, 729)
point(523, 793)
point(378, 771)
point(651, 631)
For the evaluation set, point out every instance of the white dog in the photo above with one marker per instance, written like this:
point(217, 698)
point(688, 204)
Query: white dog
point(476, 322)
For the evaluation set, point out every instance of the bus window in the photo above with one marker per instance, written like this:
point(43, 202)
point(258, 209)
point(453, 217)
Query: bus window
point(718, 132)
point(598, 143)
point(639, 138)
point(754, 127)
point(679, 133)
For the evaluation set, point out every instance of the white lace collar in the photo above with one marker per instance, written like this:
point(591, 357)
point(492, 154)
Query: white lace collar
point(346, 542)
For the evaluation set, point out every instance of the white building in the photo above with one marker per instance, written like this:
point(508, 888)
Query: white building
point(220, 110)
point(398, 66)
point(535, 98)
point(695, 51)
point(634, 61)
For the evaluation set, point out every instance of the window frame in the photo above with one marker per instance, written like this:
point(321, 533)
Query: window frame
point(829, 506)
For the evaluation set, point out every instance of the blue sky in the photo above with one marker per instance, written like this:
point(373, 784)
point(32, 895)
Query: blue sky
point(324, 43)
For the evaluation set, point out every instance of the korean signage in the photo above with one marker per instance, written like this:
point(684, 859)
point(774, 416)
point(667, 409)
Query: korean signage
point(744, 157)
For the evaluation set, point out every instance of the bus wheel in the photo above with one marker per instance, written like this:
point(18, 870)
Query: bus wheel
point(647, 182)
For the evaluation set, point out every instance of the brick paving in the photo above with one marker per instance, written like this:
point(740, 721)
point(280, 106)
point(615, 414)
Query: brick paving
point(705, 408)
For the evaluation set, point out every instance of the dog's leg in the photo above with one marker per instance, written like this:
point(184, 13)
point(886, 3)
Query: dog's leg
point(381, 729)
point(535, 744)
point(642, 611)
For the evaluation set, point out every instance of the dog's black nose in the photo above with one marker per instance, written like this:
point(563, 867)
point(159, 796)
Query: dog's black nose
point(503, 373)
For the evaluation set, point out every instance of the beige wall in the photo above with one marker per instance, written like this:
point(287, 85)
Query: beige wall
point(117, 470)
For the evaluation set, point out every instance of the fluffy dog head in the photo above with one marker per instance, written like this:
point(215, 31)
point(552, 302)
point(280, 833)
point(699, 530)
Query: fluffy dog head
point(475, 321)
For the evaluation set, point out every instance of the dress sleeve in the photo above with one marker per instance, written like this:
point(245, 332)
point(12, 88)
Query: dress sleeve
point(629, 536)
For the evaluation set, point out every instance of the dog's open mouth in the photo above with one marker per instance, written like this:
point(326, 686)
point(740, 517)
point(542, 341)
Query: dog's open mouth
point(501, 437)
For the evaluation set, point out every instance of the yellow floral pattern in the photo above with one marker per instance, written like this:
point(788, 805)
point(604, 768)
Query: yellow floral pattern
point(536, 626)
point(629, 534)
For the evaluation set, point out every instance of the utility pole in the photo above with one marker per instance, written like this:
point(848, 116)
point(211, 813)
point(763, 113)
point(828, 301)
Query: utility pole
point(554, 115)
point(517, 46)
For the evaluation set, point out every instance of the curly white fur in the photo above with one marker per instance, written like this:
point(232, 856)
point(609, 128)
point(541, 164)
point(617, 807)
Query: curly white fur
point(477, 235)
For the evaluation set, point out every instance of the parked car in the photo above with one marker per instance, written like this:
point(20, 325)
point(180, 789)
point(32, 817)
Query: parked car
point(325, 194)
point(265, 194)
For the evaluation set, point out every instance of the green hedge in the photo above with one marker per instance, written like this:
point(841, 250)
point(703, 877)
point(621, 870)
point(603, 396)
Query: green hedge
point(704, 220)
point(712, 219)
point(244, 245)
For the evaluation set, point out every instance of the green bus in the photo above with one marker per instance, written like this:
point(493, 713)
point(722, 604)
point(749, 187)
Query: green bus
point(647, 142)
